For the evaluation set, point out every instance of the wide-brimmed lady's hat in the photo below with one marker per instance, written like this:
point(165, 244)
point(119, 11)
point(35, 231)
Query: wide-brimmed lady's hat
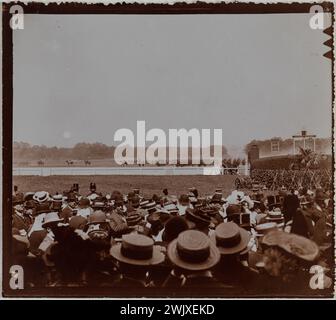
point(230, 238)
point(137, 249)
point(51, 218)
point(41, 196)
point(292, 243)
point(193, 250)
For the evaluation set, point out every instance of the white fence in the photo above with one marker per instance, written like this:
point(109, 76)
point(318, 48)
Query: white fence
point(155, 171)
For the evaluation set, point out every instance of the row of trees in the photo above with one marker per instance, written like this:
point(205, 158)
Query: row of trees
point(24, 151)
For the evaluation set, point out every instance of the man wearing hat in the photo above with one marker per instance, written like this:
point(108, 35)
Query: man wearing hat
point(93, 194)
point(136, 254)
point(20, 220)
point(290, 204)
point(193, 255)
point(69, 208)
point(232, 243)
point(183, 204)
point(84, 208)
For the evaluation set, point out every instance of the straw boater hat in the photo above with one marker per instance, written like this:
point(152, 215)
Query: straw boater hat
point(294, 244)
point(193, 250)
point(230, 238)
point(97, 217)
point(137, 249)
point(218, 197)
point(275, 215)
point(50, 219)
point(264, 228)
point(41, 196)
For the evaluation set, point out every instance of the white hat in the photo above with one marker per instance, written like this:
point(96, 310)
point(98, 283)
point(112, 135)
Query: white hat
point(41, 196)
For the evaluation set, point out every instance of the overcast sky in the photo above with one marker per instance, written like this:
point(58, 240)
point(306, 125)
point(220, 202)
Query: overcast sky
point(80, 78)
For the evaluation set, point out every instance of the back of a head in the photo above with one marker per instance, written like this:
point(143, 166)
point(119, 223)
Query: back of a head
point(173, 227)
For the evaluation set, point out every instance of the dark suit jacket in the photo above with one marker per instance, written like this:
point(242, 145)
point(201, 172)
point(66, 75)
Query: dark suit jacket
point(290, 205)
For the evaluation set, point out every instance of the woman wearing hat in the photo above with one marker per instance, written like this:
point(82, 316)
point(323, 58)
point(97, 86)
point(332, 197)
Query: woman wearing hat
point(287, 261)
point(232, 242)
point(193, 255)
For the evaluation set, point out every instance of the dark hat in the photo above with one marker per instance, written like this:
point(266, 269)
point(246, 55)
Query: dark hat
point(184, 199)
point(230, 238)
point(173, 227)
point(77, 222)
point(92, 186)
point(30, 204)
point(71, 197)
point(193, 250)
point(42, 208)
point(137, 249)
point(158, 217)
point(195, 219)
point(217, 197)
point(115, 194)
point(84, 202)
point(56, 205)
point(29, 196)
point(292, 243)
point(233, 209)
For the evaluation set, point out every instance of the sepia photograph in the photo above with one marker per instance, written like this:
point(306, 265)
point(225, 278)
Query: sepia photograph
point(168, 151)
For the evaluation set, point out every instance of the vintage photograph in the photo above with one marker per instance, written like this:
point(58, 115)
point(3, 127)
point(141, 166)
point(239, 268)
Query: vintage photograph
point(168, 151)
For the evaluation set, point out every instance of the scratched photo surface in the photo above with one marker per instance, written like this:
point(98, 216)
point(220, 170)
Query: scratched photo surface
point(172, 155)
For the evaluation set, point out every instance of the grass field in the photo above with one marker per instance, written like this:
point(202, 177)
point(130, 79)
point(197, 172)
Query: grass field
point(148, 185)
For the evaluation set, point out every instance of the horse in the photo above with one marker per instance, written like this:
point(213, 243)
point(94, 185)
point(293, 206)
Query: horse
point(87, 162)
point(69, 162)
